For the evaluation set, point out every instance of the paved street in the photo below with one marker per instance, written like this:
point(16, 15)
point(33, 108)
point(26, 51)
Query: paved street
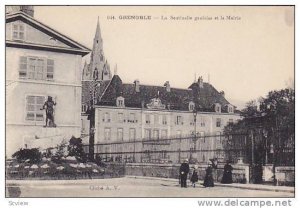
point(127, 187)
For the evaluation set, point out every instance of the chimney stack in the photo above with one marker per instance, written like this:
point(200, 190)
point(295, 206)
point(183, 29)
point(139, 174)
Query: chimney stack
point(23, 8)
point(167, 85)
point(137, 85)
point(200, 82)
point(222, 93)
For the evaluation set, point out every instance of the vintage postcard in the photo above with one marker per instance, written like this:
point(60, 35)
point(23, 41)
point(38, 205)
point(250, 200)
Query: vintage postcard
point(150, 101)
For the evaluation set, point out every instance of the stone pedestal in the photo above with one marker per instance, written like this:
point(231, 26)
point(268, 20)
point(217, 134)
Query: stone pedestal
point(46, 137)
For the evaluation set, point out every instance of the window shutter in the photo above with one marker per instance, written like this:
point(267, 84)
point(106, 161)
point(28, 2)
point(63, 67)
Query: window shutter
point(23, 67)
point(50, 69)
point(33, 106)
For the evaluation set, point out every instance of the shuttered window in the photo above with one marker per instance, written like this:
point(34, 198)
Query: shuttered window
point(50, 68)
point(36, 68)
point(33, 106)
point(23, 67)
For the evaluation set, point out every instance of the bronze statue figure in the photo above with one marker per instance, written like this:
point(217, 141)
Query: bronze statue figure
point(49, 106)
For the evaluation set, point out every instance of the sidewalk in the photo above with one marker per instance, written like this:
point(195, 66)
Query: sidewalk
point(248, 186)
point(261, 187)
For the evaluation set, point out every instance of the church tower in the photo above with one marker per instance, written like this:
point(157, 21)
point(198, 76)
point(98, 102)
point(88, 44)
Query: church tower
point(98, 68)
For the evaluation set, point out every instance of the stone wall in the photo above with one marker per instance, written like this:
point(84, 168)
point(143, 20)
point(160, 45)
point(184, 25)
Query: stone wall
point(240, 173)
point(285, 176)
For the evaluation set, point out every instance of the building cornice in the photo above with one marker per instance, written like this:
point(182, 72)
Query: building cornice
point(167, 111)
point(33, 46)
point(41, 82)
point(42, 124)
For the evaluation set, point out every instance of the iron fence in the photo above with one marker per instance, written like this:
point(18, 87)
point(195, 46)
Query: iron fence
point(251, 148)
point(198, 149)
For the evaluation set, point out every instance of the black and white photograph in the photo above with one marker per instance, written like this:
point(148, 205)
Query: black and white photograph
point(157, 101)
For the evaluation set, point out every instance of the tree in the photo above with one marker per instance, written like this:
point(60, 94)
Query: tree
point(75, 148)
point(251, 109)
point(279, 110)
point(272, 123)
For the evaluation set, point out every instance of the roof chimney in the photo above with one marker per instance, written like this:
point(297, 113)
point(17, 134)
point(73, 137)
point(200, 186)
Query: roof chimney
point(116, 70)
point(167, 85)
point(222, 93)
point(137, 85)
point(200, 82)
point(29, 10)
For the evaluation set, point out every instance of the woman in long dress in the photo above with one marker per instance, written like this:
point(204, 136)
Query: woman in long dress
point(209, 180)
point(194, 177)
point(227, 174)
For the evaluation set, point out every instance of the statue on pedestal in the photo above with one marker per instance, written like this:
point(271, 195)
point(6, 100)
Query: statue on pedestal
point(49, 107)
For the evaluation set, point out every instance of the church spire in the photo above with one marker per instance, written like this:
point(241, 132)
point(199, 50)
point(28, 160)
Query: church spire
point(98, 64)
point(98, 32)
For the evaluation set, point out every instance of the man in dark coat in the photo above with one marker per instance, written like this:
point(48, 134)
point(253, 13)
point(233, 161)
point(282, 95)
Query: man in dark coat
point(227, 174)
point(184, 170)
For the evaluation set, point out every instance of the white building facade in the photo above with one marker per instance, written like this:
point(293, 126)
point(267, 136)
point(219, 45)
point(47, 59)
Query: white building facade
point(40, 62)
point(129, 113)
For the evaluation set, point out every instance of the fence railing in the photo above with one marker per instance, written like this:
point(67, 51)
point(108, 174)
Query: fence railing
point(196, 148)
point(173, 149)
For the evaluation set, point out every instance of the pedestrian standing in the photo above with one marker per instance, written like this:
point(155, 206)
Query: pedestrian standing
point(227, 174)
point(184, 170)
point(194, 177)
point(209, 180)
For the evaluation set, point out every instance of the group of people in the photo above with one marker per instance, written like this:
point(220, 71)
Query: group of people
point(208, 179)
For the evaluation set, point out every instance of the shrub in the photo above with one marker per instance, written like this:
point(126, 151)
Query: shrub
point(99, 161)
point(60, 152)
point(33, 155)
point(75, 148)
point(48, 153)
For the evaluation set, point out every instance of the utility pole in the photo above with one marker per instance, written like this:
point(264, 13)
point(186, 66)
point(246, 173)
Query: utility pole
point(252, 153)
point(93, 101)
point(194, 139)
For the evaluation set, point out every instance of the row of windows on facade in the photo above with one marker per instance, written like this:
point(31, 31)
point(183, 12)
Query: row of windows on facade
point(157, 134)
point(149, 157)
point(35, 103)
point(120, 102)
point(158, 119)
point(149, 133)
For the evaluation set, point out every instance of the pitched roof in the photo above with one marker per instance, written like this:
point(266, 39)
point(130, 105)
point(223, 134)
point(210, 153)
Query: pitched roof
point(75, 47)
point(207, 96)
point(176, 99)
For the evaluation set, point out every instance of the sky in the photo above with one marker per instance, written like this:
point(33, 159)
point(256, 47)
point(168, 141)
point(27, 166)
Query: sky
point(246, 55)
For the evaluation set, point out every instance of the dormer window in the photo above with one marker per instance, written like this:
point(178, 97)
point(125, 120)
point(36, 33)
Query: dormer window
point(120, 102)
point(191, 106)
point(217, 107)
point(229, 108)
